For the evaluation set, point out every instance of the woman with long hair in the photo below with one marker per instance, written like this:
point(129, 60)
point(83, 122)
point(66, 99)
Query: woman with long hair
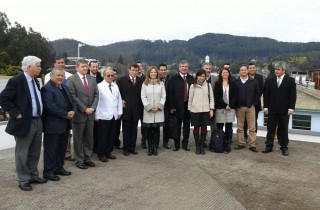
point(225, 99)
point(153, 96)
point(200, 105)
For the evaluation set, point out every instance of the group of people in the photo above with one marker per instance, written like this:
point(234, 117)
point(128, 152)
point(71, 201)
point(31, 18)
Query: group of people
point(93, 106)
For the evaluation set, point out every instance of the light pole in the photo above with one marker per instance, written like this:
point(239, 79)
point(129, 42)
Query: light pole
point(79, 45)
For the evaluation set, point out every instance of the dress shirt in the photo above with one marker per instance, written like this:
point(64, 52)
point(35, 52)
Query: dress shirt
point(33, 97)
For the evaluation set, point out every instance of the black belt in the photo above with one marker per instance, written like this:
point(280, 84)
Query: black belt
point(36, 118)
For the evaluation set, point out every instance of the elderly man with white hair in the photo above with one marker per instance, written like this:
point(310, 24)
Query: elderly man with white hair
point(22, 99)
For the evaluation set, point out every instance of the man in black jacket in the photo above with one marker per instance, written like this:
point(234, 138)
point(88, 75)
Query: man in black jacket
point(178, 90)
point(279, 101)
point(248, 96)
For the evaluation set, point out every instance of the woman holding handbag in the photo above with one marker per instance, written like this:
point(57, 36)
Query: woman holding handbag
point(200, 105)
point(225, 99)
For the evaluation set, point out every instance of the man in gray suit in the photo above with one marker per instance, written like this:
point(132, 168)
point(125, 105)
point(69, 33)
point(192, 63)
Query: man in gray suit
point(84, 91)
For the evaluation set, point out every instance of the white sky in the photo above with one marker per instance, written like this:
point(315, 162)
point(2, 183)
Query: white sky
point(102, 22)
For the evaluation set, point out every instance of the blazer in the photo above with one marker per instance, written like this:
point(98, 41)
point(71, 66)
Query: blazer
point(98, 77)
point(82, 99)
point(259, 79)
point(55, 108)
point(132, 96)
point(280, 99)
point(175, 93)
point(218, 96)
point(16, 99)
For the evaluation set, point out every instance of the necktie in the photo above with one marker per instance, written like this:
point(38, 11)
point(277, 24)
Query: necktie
point(110, 88)
point(85, 84)
point(279, 81)
point(185, 93)
point(133, 82)
point(37, 99)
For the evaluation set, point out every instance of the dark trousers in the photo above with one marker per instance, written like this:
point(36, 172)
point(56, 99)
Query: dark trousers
point(165, 127)
point(95, 137)
point(186, 127)
point(153, 134)
point(281, 121)
point(245, 126)
point(117, 141)
point(143, 134)
point(55, 146)
point(129, 131)
point(106, 136)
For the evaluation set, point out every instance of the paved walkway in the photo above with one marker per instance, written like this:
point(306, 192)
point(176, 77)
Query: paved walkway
point(177, 180)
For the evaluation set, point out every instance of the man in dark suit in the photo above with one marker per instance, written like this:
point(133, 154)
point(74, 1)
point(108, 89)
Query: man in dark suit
point(252, 72)
point(162, 72)
point(59, 108)
point(22, 99)
point(279, 101)
point(93, 71)
point(130, 90)
point(84, 91)
point(178, 90)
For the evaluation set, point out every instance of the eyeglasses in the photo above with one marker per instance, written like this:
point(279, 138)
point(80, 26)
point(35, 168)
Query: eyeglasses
point(110, 75)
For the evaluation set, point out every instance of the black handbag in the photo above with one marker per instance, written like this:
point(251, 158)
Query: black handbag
point(173, 126)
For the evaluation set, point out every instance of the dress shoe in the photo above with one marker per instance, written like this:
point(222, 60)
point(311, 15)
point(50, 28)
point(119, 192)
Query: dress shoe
point(25, 187)
point(69, 158)
point(103, 159)
point(133, 152)
point(112, 157)
point(52, 177)
point(175, 149)
point(166, 146)
point(266, 151)
point(62, 172)
point(239, 147)
point(90, 163)
point(144, 146)
point(186, 148)
point(118, 147)
point(253, 149)
point(82, 166)
point(285, 152)
point(37, 180)
point(126, 153)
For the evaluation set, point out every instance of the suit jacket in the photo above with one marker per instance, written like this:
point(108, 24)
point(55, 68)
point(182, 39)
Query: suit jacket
point(218, 96)
point(55, 108)
point(98, 77)
point(16, 99)
point(82, 99)
point(132, 96)
point(259, 79)
point(176, 93)
point(280, 99)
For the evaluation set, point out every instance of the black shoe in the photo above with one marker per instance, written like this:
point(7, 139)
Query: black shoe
point(253, 149)
point(155, 152)
point(133, 152)
point(90, 163)
point(126, 153)
point(62, 172)
point(186, 148)
point(82, 166)
point(110, 156)
point(52, 177)
point(69, 158)
point(144, 146)
point(117, 147)
point(285, 152)
point(103, 159)
point(267, 151)
point(239, 147)
point(38, 180)
point(166, 146)
point(176, 149)
point(25, 187)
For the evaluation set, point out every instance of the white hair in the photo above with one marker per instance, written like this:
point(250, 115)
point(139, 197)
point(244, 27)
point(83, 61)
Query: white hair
point(29, 61)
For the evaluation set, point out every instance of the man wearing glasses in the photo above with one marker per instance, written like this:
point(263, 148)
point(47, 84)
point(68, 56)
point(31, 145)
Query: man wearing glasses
point(109, 109)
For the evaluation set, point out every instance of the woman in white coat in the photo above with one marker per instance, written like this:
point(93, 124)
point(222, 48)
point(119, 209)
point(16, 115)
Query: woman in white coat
point(153, 96)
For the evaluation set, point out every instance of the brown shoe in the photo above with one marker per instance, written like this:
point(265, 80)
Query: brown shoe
point(89, 163)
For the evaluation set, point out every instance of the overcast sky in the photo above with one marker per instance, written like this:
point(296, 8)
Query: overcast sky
point(102, 22)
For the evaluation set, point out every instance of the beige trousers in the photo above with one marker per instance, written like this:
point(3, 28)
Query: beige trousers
point(248, 114)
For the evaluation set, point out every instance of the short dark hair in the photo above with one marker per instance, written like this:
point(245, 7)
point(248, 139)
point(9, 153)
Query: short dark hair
point(251, 64)
point(89, 64)
point(58, 57)
point(134, 65)
point(199, 73)
point(162, 64)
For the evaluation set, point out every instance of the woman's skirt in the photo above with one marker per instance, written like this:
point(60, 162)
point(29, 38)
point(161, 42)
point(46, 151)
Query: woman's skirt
point(201, 118)
point(224, 116)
